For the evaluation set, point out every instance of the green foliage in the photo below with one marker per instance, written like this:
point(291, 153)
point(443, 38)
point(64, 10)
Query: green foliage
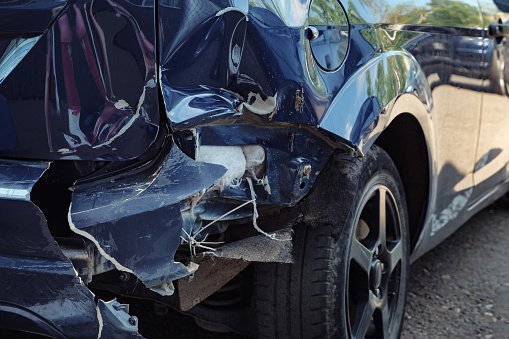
point(327, 12)
point(452, 13)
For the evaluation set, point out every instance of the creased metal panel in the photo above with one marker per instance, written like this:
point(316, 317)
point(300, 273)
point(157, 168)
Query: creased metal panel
point(136, 222)
point(78, 81)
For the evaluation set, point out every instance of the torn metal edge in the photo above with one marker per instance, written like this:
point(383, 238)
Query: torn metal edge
point(87, 235)
point(231, 9)
point(100, 321)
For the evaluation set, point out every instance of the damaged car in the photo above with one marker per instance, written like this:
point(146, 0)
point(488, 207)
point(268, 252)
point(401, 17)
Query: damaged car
point(268, 167)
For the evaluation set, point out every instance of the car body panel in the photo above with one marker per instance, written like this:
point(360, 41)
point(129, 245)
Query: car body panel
point(492, 157)
point(110, 214)
point(182, 116)
point(42, 292)
point(429, 46)
point(69, 86)
point(29, 18)
point(32, 262)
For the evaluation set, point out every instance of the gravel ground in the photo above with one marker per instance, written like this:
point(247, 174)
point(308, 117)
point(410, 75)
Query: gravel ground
point(458, 290)
point(461, 289)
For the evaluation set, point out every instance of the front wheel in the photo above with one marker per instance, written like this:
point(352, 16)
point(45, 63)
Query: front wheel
point(349, 278)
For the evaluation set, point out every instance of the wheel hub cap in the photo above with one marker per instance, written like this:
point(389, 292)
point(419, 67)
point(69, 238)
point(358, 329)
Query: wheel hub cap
point(376, 274)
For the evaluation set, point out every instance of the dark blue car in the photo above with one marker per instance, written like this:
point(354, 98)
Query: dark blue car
point(269, 167)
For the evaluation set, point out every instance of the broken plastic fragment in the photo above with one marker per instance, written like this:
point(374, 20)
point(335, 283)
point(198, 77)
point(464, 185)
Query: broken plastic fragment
point(30, 245)
point(135, 221)
point(115, 320)
point(257, 105)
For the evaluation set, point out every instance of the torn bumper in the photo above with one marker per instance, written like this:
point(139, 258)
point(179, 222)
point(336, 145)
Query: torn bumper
point(41, 291)
point(136, 220)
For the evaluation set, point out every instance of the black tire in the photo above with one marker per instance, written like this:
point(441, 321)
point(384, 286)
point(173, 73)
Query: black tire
point(316, 296)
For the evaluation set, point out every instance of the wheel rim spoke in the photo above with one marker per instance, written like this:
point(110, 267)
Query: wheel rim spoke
point(361, 255)
point(385, 321)
point(394, 256)
point(363, 318)
point(382, 216)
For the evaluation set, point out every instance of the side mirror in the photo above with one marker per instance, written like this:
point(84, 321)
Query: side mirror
point(502, 5)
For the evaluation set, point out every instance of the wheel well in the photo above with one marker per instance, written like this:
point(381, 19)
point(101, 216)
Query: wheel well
point(404, 141)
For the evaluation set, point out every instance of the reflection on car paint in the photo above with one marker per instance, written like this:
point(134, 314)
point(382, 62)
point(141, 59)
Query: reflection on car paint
point(84, 103)
point(217, 113)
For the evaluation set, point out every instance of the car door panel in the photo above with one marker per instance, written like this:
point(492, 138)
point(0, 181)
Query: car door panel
point(445, 43)
point(493, 152)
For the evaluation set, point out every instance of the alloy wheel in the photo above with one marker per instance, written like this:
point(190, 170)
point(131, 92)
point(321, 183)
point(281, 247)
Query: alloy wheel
point(375, 267)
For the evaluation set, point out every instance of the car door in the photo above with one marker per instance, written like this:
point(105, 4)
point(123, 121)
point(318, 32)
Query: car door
point(450, 55)
point(493, 148)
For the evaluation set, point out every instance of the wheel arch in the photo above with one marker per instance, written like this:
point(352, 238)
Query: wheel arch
point(13, 317)
point(388, 102)
point(405, 142)
point(370, 98)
